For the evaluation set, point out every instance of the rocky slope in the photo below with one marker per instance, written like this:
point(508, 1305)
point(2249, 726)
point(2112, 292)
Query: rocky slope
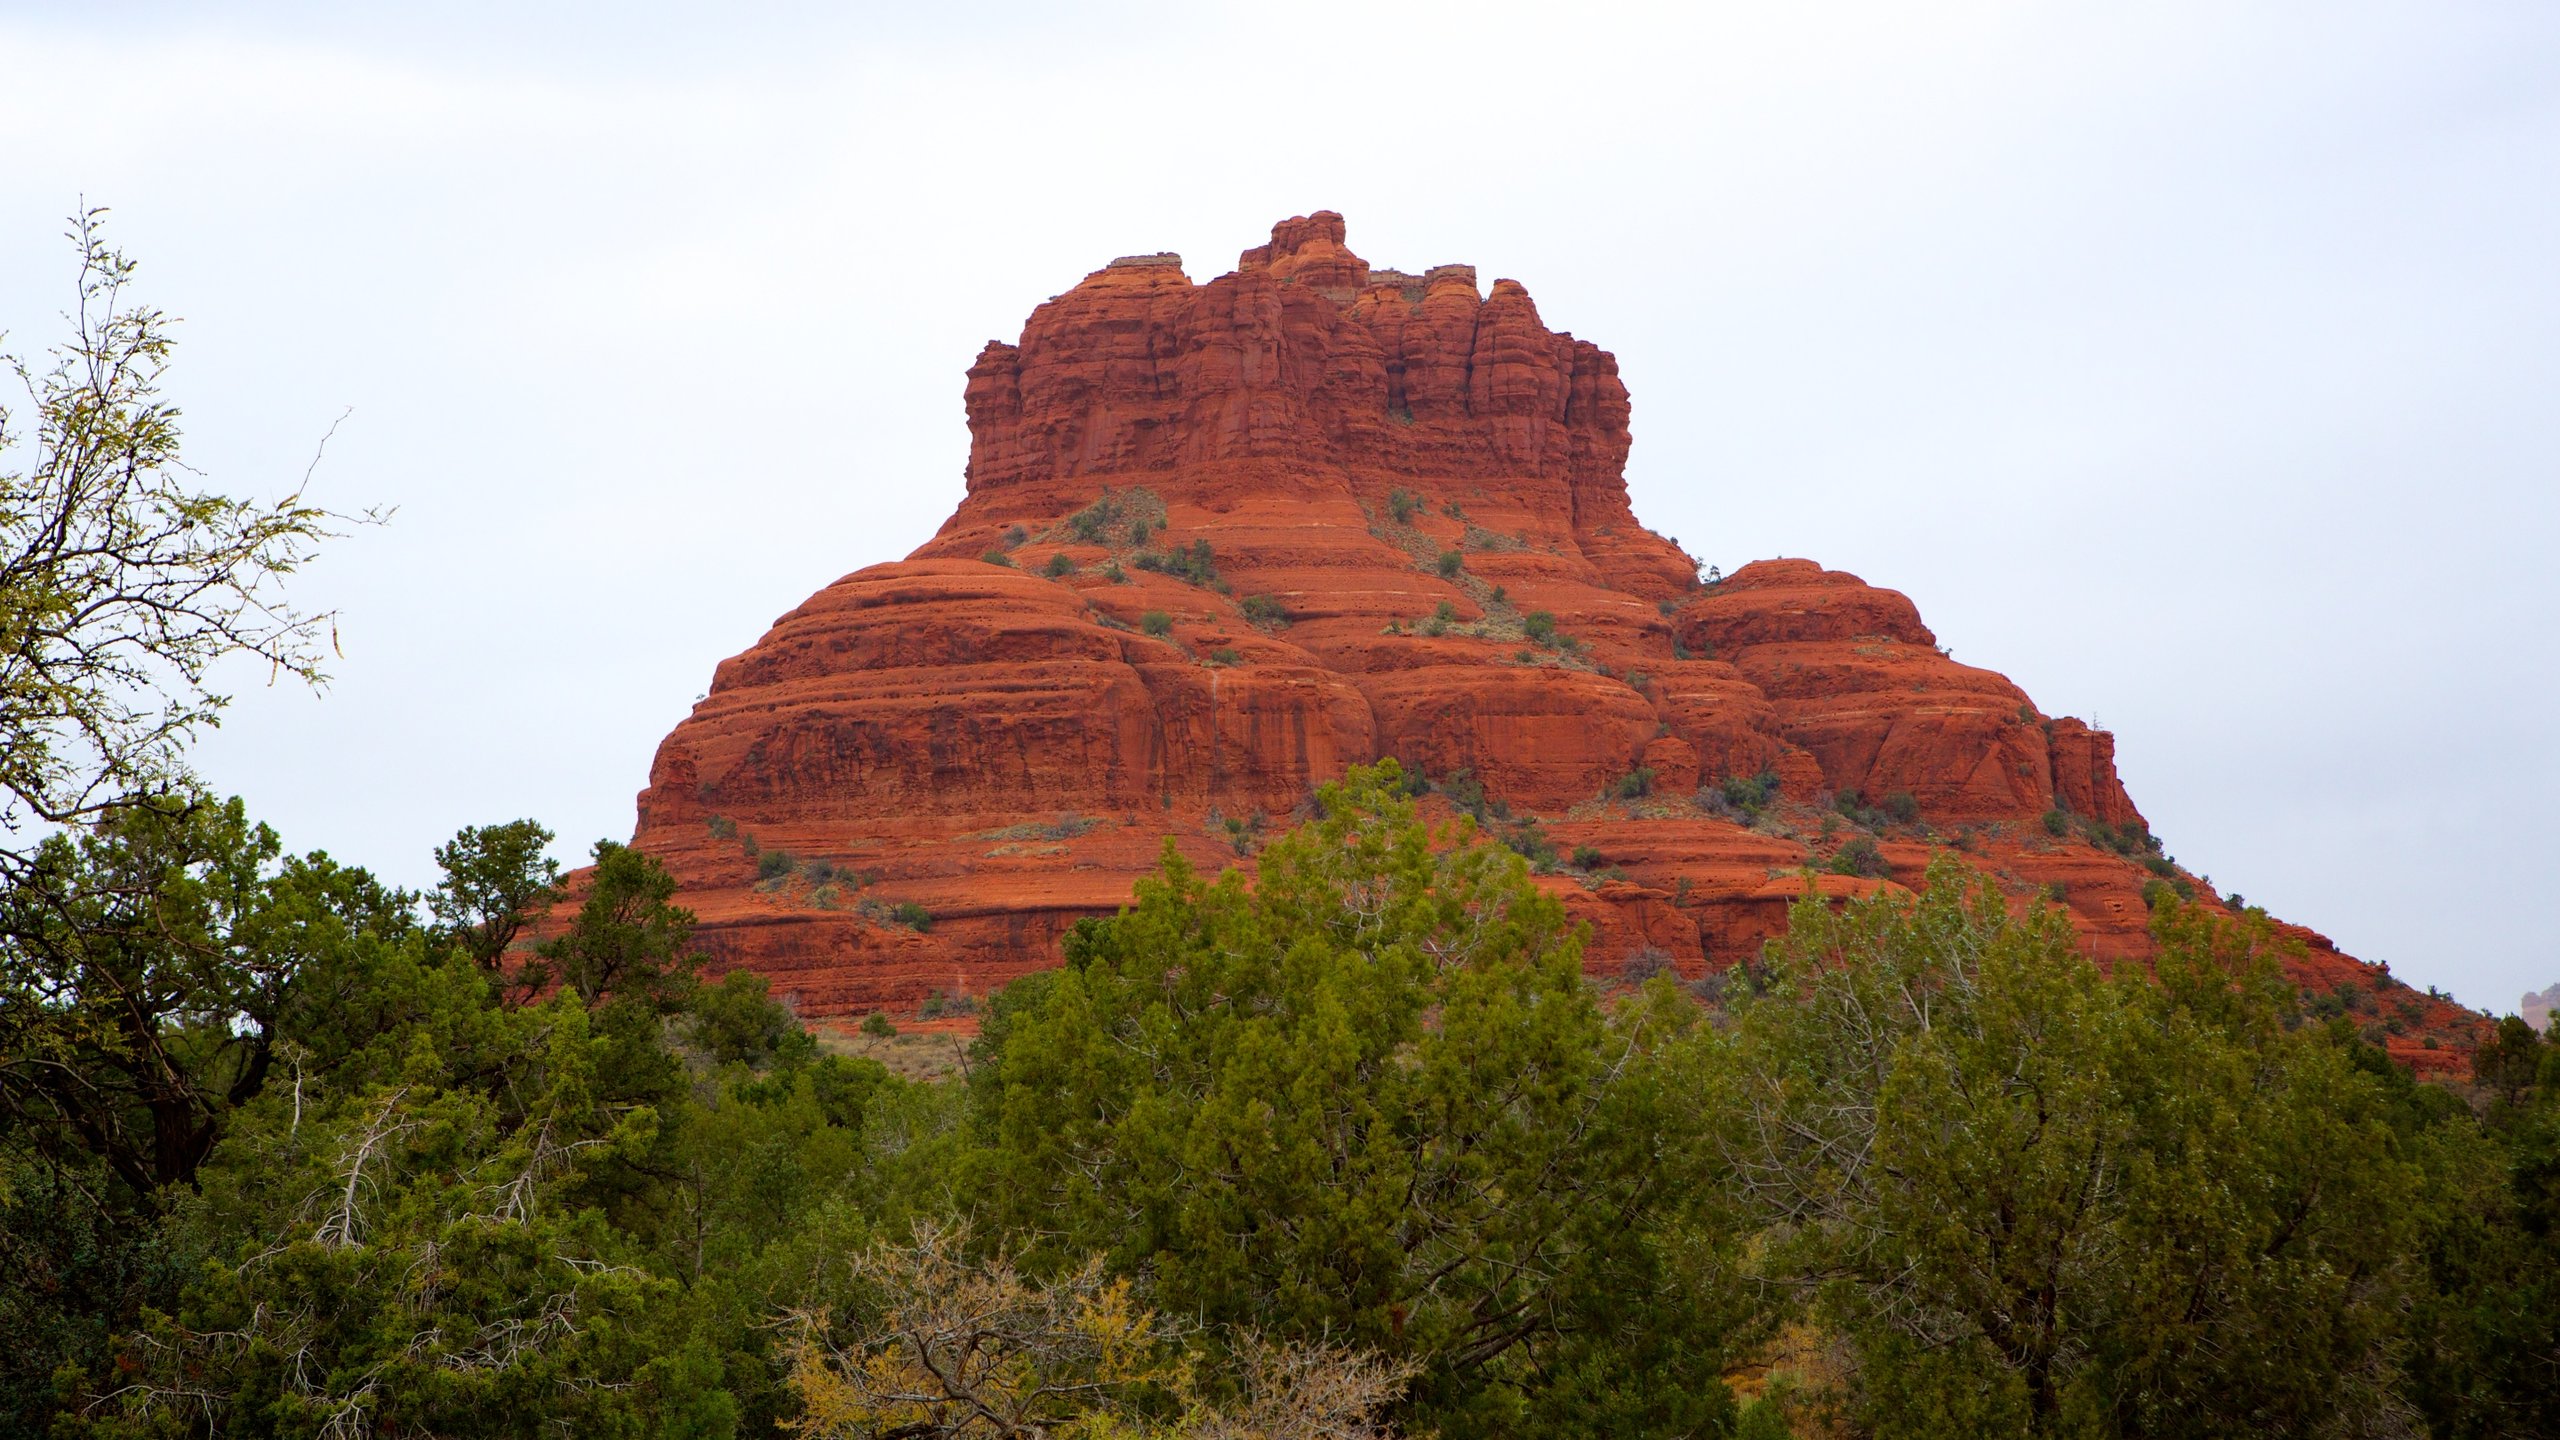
point(1222, 540)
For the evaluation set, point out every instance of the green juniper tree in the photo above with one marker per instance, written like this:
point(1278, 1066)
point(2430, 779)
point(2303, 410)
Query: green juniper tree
point(1369, 1097)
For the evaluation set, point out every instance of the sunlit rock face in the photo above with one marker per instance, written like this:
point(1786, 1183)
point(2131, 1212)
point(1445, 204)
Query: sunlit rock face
point(1223, 540)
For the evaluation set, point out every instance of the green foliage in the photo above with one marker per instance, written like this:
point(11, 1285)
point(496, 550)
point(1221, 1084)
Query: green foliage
point(1450, 563)
point(496, 878)
point(1899, 808)
point(1751, 795)
point(912, 914)
point(1588, 857)
point(774, 864)
point(1530, 843)
point(628, 939)
point(1264, 611)
point(1860, 857)
point(1402, 503)
point(735, 1022)
point(151, 970)
point(1156, 622)
point(122, 584)
point(1340, 1101)
point(1539, 626)
point(1225, 655)
point(1125, 511)
point(1059, 566)
point(1634, 785)
point(2037, 1201)
point(1195, 564)
point(2057, 823)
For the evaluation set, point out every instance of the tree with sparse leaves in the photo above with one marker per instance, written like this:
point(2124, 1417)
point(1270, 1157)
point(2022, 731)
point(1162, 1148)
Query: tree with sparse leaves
point(123, 581)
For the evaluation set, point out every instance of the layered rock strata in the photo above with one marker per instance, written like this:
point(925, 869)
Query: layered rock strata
point(1223, 540)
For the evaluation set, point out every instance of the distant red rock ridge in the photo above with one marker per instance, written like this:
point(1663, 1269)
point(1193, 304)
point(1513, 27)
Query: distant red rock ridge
point(1223, 540)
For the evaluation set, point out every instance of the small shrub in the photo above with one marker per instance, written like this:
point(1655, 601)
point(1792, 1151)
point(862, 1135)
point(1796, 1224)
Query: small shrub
point(1401, 503)
point(1113, 573)
point(1263, 610)
point(1454, 510)
point(1194, 564)
point(1634, 785)
point(1059, 566)
point(912, 915)
point(1225, 657)
point(1451, 562)
point(2057, 892)
point(1751, 794)
point(877, 1025)
point(1901, 807)
point(1531, 844)
point(997, 557)
point(1466, 792)
point(1646, 962)
point(1860, 857)
point(1138, 532)
point(1501, 596)
point(774, 864)
point(1015, 536)
point(2156, 893)
point(1587, 857)
point(1540, 626)
point(724, 828)
point(1156, 622)
point(2056, 823)
point(1638, 680)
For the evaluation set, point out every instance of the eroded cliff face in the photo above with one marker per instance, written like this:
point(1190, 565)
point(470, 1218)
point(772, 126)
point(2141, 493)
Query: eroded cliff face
point(1205, 563)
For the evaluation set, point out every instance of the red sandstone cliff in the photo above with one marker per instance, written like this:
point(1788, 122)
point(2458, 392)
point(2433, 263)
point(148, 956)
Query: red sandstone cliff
point(999, 730)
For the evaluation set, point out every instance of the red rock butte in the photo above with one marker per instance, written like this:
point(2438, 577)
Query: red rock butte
point(1222, 541)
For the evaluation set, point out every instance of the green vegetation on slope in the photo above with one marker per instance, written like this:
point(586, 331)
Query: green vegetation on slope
point(1351, 1148)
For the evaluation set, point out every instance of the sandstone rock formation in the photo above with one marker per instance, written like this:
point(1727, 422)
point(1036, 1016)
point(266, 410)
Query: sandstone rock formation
point(1223, 540)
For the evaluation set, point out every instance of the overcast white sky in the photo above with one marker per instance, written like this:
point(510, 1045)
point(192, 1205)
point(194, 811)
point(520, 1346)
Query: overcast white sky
point(2196, 365)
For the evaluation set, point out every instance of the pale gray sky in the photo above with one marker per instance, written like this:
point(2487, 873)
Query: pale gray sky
point(2193, 364)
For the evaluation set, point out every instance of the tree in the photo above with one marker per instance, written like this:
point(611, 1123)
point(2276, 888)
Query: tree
point(122, 583)
point(627, 939)
point(2038, 1201)
point(151, 968)
point(497, 879)
point(1368, 1097)
point(420, 1257)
